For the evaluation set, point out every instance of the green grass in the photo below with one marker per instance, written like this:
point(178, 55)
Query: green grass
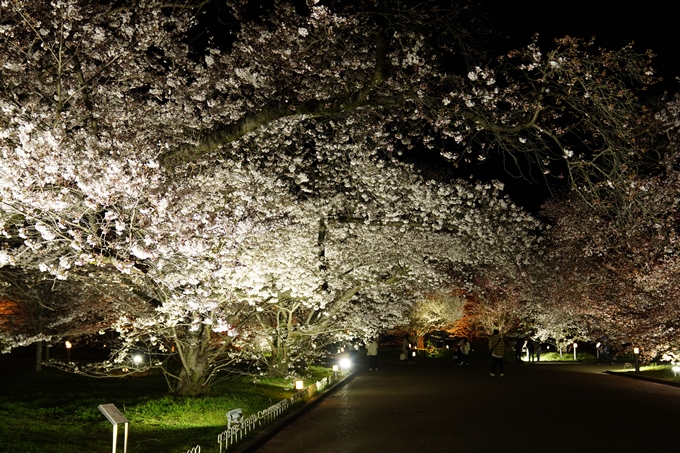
point(55, 412)
point(657, 371)
point(567, 357)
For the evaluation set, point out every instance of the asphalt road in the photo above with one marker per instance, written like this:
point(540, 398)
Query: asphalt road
point(439, 407)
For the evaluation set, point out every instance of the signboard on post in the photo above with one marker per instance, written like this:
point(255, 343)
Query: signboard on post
point(114, 416)
point(234, 417)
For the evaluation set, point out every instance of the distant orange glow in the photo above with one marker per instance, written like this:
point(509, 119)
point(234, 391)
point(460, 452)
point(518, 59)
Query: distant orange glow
point(7, 307)
point(12, 314)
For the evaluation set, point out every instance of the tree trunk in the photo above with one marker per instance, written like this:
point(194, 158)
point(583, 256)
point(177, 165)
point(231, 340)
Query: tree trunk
point(39, 355)
point(195, 372)
point(192, 381)
point(278, 366)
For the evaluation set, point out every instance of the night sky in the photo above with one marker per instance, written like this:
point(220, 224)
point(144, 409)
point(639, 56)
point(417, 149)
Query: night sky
point(651, 25)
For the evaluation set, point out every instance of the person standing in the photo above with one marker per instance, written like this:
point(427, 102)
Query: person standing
point(464, 350)
point(406, 350)
point(603, 352)
point(519, 345)
point(497, 346)
point(372, 353)
point(537, 350)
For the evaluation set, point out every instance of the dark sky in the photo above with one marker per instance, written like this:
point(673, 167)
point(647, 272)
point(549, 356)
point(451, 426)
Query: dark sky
point(650, 24)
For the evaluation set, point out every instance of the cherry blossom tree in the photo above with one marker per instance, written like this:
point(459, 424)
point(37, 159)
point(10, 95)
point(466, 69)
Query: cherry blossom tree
point(436, 311)
point(608, 276)
point(251, 199)
point(43, 310)
point(570, 111)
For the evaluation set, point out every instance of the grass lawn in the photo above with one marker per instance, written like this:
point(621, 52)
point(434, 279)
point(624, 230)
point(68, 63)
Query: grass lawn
point(56, 412)
point(658, 371)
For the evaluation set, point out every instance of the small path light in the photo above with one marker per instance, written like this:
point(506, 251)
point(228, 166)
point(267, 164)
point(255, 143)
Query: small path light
point(575, 346)
point(299, 385)
point(676, 370)
point(636, 351)
point(335, 371)
point(597, 350)
point(68, 350)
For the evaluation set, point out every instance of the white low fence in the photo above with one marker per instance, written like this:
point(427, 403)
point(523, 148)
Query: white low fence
point(261, 419)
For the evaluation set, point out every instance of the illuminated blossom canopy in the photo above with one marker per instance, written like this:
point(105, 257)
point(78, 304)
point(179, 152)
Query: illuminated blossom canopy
point(254, 197)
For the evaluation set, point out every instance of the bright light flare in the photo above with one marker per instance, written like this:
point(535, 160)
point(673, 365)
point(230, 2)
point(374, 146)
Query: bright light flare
point(68, 344)
point(138, 359)
point(345, 363)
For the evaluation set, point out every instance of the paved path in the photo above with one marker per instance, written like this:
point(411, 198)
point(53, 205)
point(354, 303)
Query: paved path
point(438, 407)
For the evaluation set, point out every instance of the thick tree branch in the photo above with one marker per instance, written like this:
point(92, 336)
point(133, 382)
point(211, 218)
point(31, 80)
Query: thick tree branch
point(211, 141)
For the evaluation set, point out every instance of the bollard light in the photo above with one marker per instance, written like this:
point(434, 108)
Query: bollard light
point(137, 359)
point(636, 351)
point(335, 368)
point(299, 385)
point(68, 350)
point(345, 363)
point(575, 346)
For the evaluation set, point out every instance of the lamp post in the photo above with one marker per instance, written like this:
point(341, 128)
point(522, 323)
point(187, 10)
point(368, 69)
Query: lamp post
point(597, 351)
point(636, 352)
point(68, 350)
point(575, 346)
